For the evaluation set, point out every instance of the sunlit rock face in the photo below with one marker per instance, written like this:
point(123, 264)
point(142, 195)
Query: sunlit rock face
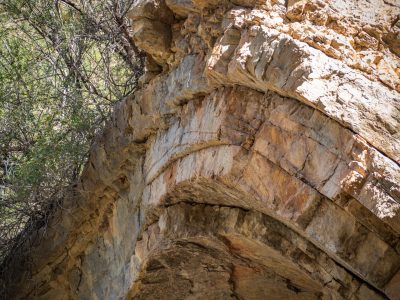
point(258, 160)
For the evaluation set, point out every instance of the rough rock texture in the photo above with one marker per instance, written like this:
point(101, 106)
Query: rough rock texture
point(258, 160)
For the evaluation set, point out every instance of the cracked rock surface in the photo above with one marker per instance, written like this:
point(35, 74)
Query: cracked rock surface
point(258, 160)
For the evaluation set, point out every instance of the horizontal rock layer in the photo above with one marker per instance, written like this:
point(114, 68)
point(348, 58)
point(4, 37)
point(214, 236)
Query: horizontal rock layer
point(259, 159)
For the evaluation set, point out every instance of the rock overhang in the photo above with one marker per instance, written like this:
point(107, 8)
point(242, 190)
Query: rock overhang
point(260, 157)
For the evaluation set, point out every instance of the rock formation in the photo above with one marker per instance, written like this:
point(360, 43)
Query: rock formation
point(258, 160)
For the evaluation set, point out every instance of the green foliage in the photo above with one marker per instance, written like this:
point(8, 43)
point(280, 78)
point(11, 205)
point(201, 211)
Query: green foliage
point(62, 66)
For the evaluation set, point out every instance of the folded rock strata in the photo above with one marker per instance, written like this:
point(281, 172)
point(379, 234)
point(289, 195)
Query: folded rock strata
point(258, 160)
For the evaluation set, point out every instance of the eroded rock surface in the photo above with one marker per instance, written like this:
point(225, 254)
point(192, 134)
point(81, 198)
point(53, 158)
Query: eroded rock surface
point(258, 160)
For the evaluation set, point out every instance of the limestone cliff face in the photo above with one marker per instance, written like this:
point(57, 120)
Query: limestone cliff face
point(258, 160)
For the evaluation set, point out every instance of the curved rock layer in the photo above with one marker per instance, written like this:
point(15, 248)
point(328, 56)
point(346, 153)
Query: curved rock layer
point(258, 160)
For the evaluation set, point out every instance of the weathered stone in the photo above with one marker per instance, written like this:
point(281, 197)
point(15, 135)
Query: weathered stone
point(151, 9)
point(154, 37)
point(182, 7)
point(258, 160)
point(266, 59)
